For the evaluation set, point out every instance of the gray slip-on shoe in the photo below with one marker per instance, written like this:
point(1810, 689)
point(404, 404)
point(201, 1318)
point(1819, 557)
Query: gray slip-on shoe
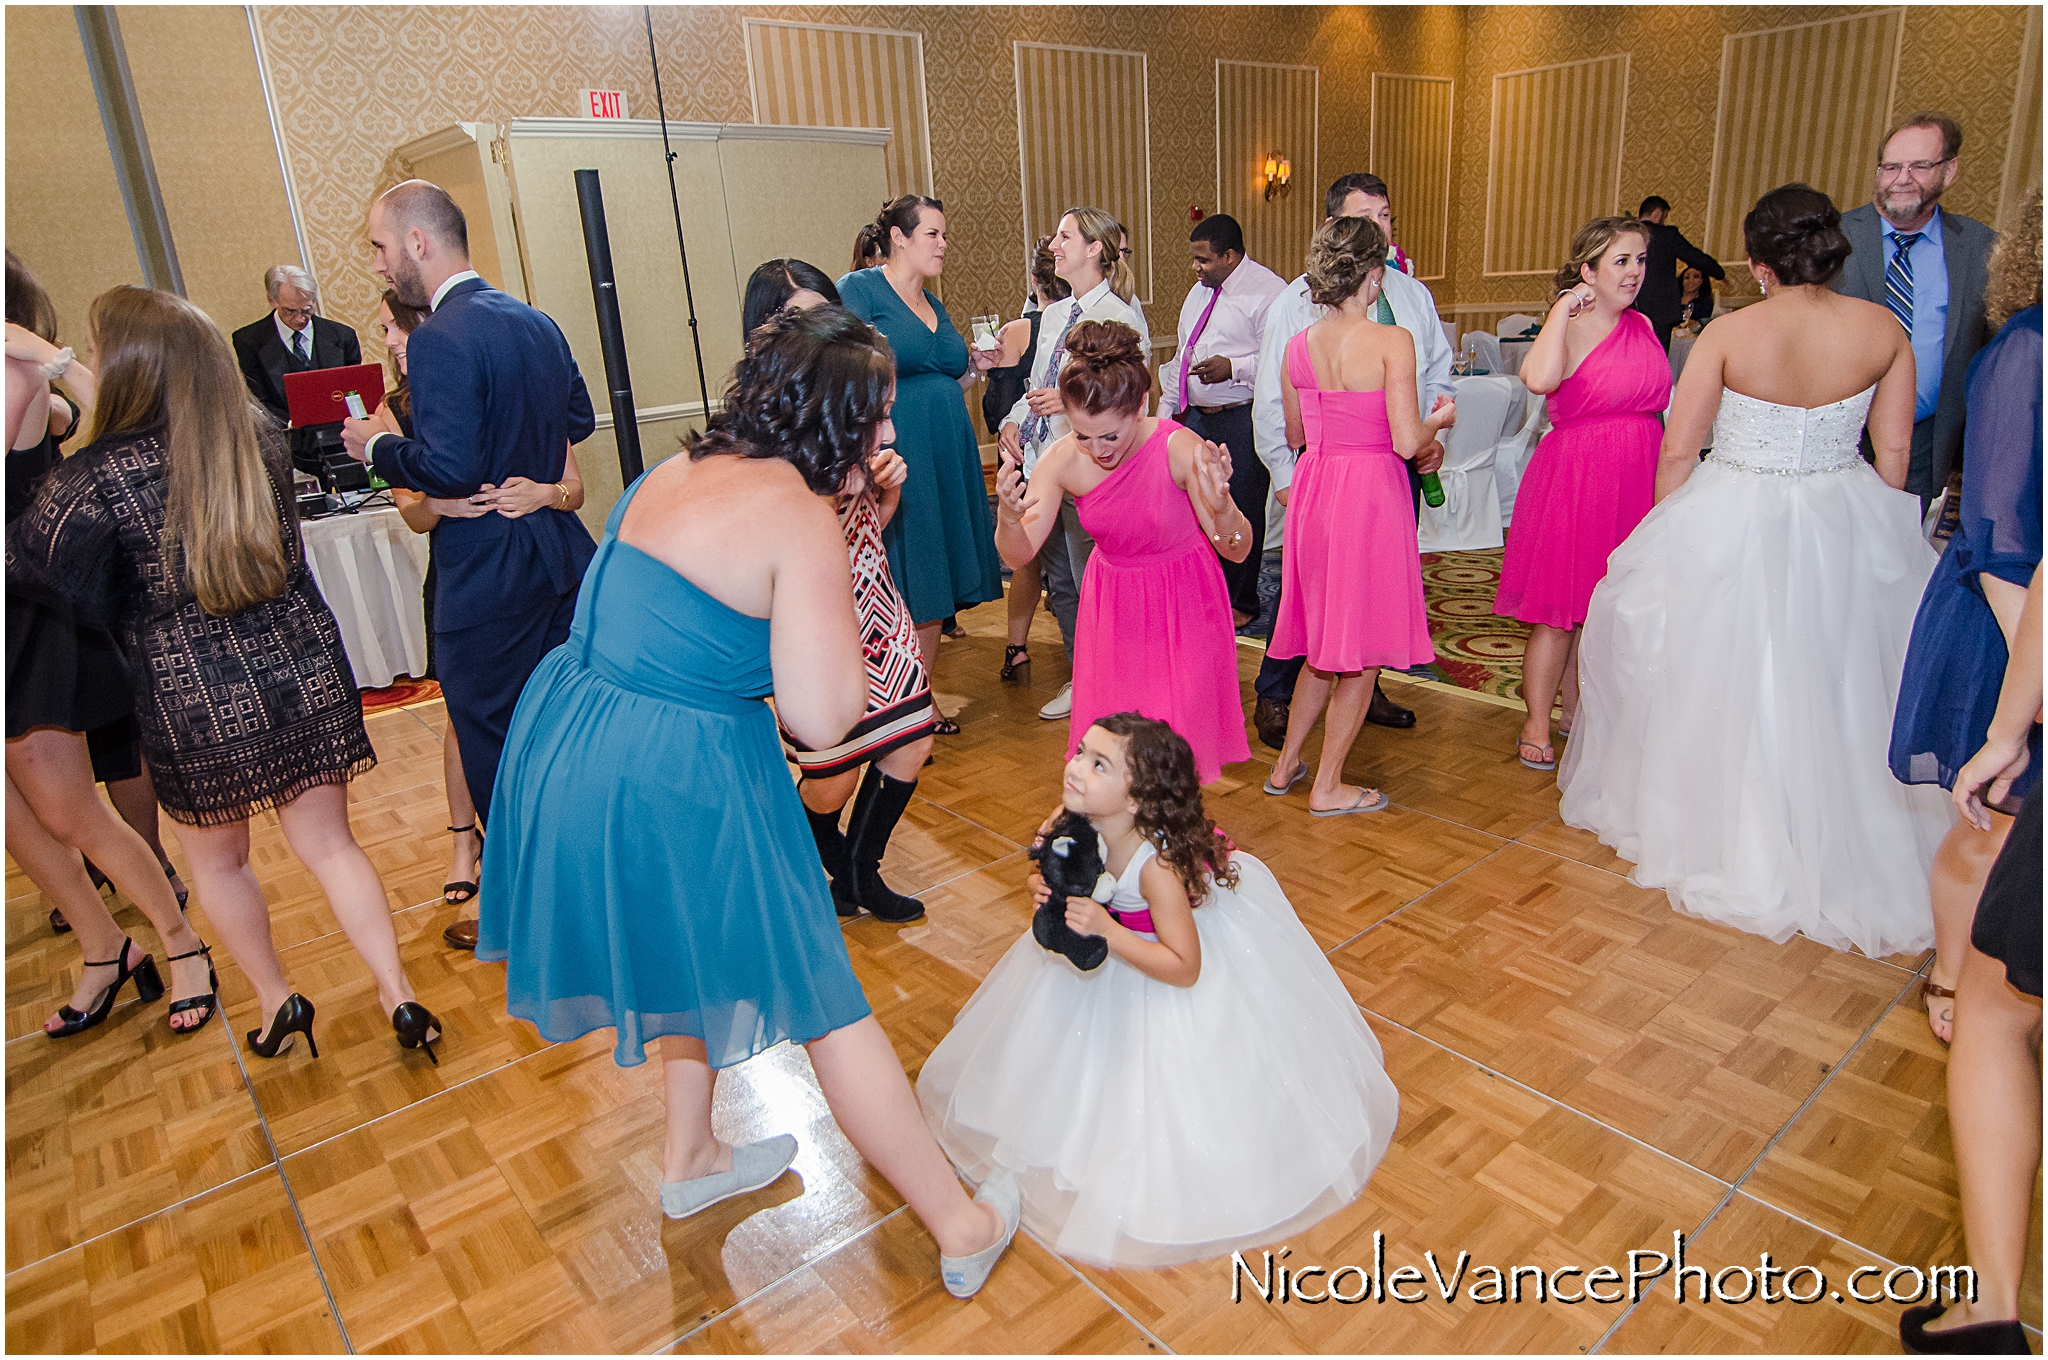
point(753, 1166)
point(965, 1275)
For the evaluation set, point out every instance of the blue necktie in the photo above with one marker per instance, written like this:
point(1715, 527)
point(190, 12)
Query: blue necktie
point(1036, 426)
point(1898, 279)
point(299, 340)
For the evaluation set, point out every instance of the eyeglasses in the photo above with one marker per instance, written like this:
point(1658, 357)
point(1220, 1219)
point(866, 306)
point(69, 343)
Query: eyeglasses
point(305, 312)
point(1919, 169)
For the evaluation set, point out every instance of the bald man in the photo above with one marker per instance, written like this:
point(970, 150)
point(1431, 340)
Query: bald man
point(496, 400)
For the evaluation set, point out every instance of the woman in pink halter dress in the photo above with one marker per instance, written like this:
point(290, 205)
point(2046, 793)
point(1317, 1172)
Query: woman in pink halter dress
point(1593, 476)
point(1351, 601)
point(1153, 633)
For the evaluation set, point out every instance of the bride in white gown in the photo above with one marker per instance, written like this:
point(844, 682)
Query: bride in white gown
point(1741, 659)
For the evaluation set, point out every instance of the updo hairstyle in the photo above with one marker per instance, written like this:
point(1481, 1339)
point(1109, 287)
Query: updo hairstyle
point(772, 285)
point(1797, 234)
point(1590, 242)
point(1044, 281)
point(902, 214)
point(810, 390)
point(1343, 255)
point(1105, 369)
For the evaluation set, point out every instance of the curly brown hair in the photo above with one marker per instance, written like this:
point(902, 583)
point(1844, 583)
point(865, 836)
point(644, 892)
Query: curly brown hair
point(1342, 257)
point(1169, 799)
point(1106, 369)
point(1590, 242)
point(2015, 283)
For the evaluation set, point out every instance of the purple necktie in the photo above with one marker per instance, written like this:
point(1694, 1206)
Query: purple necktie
point(1187, 355)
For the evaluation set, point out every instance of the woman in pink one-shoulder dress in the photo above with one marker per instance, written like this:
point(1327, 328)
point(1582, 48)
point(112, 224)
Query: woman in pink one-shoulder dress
point(1153, 634)
point(1352, 598)
point(1593, 476)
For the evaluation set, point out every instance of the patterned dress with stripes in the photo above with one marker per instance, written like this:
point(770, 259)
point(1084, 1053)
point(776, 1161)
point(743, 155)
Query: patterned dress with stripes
point(899, 693)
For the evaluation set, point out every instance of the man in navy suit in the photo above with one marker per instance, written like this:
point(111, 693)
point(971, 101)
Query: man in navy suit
point(495, 396)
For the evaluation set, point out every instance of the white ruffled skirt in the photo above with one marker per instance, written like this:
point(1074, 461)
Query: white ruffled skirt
point(1149, 1124)
point(1737, 674)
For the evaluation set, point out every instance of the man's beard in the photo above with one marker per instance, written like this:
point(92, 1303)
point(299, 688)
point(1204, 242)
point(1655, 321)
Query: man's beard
point(1927, 197)
point(407, 284)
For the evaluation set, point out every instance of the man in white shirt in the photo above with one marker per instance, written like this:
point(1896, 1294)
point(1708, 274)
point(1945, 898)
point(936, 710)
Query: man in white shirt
point(1026, 436)
point(1207, 385)
point(1404, 303)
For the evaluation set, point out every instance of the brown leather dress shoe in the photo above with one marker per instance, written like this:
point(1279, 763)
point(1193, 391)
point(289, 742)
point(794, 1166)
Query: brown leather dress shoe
point(1384, 712)
point(1270, 718)
point(461, 935)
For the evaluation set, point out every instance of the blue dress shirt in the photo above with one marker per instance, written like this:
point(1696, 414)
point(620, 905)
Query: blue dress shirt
point(1930, 308)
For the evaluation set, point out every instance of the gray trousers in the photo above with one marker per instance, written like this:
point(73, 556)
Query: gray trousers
point(1064, 557)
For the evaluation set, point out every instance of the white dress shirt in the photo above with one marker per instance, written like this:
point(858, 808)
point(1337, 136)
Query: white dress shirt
point(448, 283)
point(1234, 331)
point(1098, 304)
point(285, 333)
point(1292, 313)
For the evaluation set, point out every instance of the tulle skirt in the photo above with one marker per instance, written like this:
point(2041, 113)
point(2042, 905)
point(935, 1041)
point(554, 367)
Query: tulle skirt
point(1737, 673)
point(1149, 1124)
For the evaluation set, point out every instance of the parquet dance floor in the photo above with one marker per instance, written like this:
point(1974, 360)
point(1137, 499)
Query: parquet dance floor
point(1582, 1073)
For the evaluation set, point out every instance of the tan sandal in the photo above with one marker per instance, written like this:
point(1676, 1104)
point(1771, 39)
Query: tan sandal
point(1930, 992)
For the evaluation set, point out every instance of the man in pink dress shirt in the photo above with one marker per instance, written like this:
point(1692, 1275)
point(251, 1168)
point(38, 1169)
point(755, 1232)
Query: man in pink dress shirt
point(1207, 385)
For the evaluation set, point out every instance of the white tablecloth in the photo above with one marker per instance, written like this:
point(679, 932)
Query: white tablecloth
point(370, 567)
point(1681, 349)
point(1512, 352)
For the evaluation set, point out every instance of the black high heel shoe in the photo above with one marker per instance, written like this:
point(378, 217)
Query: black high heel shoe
point(1016, 672)
point(411, 1021)
point(467, 887)
point(211, 1000)
point(149, 985)
point(295, 1016)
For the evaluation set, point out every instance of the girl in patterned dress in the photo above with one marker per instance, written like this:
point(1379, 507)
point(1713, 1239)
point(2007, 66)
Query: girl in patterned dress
point(894, 737)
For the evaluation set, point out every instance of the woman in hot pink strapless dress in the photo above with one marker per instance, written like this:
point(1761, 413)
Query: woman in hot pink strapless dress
point(1592, 478)
point(1351, 594)
point(1153, 633)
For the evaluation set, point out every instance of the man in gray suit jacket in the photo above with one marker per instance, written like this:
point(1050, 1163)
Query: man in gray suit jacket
point(1929, 268)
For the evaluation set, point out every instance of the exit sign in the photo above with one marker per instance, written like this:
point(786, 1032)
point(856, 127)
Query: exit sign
point(602, 103)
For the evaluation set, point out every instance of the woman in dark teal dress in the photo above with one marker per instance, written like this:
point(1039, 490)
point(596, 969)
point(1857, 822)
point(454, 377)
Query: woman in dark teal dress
point(655, 874)
point(941, 544)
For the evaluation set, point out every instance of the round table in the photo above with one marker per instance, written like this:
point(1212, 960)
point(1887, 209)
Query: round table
point(1681, 349)
point(1512, 352)
point(370, 567)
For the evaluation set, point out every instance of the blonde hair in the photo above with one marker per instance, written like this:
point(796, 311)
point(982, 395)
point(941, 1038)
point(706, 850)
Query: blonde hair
point(2015, 267)
point(1590, 242)
point(163, 361)
point(1343, 255)
point(1099, 228)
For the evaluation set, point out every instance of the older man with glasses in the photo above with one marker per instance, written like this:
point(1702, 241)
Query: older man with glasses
point(291, 339)
point(1929, 267)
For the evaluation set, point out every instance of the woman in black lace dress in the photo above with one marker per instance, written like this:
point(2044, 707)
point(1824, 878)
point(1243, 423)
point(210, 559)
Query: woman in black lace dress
point(174, 527)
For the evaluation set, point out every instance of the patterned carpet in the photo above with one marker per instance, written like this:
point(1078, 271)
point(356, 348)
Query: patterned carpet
point(403, 692)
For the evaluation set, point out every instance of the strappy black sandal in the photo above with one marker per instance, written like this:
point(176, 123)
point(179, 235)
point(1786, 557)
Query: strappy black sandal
point(149, 985)
point(467, 887)
point(210, 1001)
point(1016, 671)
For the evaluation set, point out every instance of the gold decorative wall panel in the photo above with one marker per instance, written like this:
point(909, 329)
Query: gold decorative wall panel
point(2023, 144)
point(1554, 159)
point(822, 75)
point(1263, 108)
point(1808, 102)
point(1411, 151)
point(1084, 134)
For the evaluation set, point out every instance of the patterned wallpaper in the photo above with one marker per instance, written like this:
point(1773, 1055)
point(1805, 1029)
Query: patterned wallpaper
point(1964, 60)
point(352, 83)
point(1262, 108)
point(1553, 159)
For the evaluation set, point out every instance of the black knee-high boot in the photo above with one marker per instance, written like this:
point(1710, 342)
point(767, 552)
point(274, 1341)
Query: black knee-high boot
point(876, 811)
point(832, 852)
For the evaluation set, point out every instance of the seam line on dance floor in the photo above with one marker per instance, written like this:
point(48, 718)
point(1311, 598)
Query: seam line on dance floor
point(1096, 1289)
point(291, 1197)
point(1735, 1186)
point(668, 1347)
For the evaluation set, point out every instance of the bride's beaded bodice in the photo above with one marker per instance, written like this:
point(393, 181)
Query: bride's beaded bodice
point(1789, 441)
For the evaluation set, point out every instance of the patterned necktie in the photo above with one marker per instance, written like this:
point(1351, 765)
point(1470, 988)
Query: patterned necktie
point(1036, 426)
point(1898, 279)
point(299, 341)
point(1382, 310)
point(1187, 355)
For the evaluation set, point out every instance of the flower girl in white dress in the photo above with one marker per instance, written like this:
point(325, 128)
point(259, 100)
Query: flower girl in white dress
point(1210, 1088)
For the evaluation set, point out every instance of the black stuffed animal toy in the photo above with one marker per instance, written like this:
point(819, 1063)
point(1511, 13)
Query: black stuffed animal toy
point(1070, 859)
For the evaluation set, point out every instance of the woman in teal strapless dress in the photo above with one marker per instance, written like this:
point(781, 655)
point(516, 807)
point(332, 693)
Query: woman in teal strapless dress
point(654, 872)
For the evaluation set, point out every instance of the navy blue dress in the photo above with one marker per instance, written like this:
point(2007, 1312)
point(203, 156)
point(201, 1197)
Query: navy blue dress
point(650, 865)
point(1956, 661)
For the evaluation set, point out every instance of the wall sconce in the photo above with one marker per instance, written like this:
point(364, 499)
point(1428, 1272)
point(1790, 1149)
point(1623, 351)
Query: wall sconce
point(1277, 171)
